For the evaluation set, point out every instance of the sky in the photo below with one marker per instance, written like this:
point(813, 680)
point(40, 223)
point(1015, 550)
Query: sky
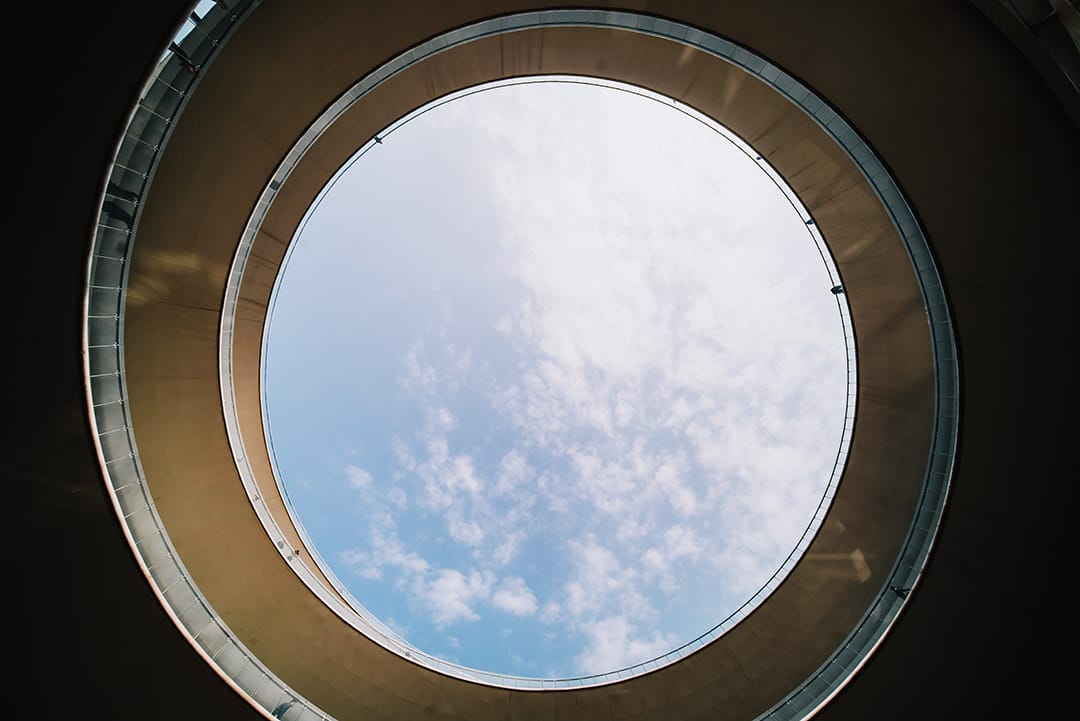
point(553, 379)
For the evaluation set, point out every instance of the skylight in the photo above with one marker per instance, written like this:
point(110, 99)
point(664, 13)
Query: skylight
point(554, 380)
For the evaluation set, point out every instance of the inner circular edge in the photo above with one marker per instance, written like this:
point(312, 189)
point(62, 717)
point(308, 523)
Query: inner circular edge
point(367, 622)
point(127, 482)
point(738, 57)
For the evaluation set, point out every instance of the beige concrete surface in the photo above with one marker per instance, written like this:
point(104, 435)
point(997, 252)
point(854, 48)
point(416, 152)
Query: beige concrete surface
point(203, 193)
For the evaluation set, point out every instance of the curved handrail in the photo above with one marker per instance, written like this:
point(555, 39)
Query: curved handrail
point(165, 93)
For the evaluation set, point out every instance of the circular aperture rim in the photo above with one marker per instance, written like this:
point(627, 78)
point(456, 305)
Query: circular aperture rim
point(106, 279)
point(363, 620)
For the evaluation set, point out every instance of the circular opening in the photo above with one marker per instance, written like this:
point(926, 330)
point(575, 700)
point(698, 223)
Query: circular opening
point(555, 379)
point(914, 384)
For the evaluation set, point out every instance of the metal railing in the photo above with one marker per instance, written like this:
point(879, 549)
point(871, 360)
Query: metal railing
point(163, 98)
point(168, 86)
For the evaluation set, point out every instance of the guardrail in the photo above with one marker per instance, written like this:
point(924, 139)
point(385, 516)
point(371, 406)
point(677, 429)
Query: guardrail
point(165, 93)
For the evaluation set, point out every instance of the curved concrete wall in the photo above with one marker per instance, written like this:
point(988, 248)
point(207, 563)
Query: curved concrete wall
point(204, 188)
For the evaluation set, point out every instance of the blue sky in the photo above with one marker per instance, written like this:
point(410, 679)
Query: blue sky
point(554, 379)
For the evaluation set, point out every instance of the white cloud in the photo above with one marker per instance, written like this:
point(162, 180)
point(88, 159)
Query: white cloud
point(398, 498)
point(668, 477)
point(612, 643)
point(450, 596)
point(514, 596)
point(420, 376)
point(386, 550)
point(425, 377)
point(447, 477)
point(609, 483)
point(625, 410)
point(507, 550)
point(514, 470)
point(466, 532)
point(442, 419)
point(551, 612)
point(681, 542)
point(655, 561)
point(632, 530)
point(601, 583)
point(359, 479)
